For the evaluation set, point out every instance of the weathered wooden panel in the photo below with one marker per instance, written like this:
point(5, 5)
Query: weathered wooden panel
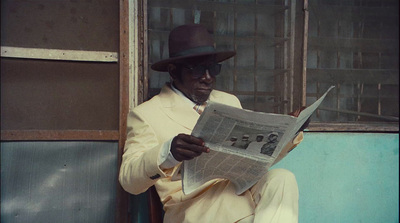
point(61, 24)
point(52, 54)
point(56, 95)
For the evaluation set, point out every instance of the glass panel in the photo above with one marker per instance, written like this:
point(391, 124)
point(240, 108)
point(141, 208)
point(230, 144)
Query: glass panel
point(354, 45)
point(59, 181)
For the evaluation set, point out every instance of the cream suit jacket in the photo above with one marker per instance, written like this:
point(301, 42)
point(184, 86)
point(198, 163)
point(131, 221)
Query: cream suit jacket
point(149, 126)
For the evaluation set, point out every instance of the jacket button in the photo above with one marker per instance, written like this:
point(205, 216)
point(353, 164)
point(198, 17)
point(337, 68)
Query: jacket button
point(155, 176)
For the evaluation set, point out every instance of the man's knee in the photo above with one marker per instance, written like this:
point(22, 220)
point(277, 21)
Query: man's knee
point(277, 195)
point(281, 178)
point(282, 174)
point(275, 180)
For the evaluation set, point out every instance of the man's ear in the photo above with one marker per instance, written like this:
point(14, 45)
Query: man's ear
point(173, 71)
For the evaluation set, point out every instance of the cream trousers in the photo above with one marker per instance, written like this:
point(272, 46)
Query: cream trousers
point(276, 198)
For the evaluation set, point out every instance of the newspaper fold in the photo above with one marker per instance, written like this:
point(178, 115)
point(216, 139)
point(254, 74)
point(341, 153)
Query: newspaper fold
point(244, 144)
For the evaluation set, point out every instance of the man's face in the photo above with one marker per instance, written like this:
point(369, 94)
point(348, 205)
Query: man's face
point(196, 88)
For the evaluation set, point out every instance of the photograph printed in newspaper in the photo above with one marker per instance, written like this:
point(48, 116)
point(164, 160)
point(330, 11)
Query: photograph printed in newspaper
point(243, 144)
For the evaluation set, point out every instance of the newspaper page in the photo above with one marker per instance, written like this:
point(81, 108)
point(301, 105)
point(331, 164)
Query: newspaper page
point(243, 144)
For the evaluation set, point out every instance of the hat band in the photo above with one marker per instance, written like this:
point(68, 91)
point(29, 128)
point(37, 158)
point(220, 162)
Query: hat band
point(200, 49)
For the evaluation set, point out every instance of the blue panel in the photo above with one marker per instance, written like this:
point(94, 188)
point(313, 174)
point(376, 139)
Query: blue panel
point(58, 182)
point(347, 177)
point(139, 208)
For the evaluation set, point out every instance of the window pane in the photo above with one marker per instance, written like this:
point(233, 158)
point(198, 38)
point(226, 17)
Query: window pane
point(354, 45)
point(258, 30)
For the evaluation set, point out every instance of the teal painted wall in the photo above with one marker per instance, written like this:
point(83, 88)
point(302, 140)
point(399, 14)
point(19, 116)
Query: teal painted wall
point(346, 177)
point(342, 178)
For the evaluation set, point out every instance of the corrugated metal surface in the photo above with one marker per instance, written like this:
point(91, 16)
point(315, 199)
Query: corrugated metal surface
point(58, 181)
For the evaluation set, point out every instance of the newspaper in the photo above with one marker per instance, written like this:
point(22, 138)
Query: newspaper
point(243, 144)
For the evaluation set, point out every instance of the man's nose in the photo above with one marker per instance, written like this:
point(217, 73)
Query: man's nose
point(207, 77)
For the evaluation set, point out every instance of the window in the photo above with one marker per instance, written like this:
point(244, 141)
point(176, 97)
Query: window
point(351, 44)
point(354, 45)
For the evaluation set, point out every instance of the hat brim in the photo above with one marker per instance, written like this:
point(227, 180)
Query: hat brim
point(219, 57)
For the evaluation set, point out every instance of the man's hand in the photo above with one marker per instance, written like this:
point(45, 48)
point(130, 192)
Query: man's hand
point(187, 147)
point(296, 114)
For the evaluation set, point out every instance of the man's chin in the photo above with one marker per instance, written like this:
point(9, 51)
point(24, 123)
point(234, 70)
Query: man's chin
point(200, 99)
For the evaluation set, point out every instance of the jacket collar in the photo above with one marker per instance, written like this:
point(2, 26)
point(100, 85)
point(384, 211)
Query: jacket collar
point(174, 106)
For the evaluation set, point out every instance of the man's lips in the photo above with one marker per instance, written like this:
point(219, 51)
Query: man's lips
point(203, 89)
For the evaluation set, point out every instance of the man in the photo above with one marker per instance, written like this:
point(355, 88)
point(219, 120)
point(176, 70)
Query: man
point(269, 147)
point(256, 145)
point(231, 142)
point(244, 143)
point(159, 140)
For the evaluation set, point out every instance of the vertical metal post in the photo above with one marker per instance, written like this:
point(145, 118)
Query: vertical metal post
point(291, 62)
point(305, 42)
point(255, 100)
point(286, 55)
point(235, 87)
point(145, 52)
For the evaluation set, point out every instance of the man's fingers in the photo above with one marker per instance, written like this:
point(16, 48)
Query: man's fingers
point(186, 147)
point(182, 145)
point(190, 143)
point(191, 139)
point(181, 154)
point(185, 154)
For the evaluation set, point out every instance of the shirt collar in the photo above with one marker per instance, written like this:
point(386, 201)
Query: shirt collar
point(178, 92)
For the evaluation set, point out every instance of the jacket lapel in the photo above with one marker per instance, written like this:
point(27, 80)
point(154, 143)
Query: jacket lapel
point(177, 109)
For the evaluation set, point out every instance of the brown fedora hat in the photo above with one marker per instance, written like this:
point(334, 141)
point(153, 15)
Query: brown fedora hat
point(189, 41)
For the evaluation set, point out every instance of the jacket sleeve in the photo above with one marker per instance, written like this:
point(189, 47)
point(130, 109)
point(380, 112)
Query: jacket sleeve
point(139, 168)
